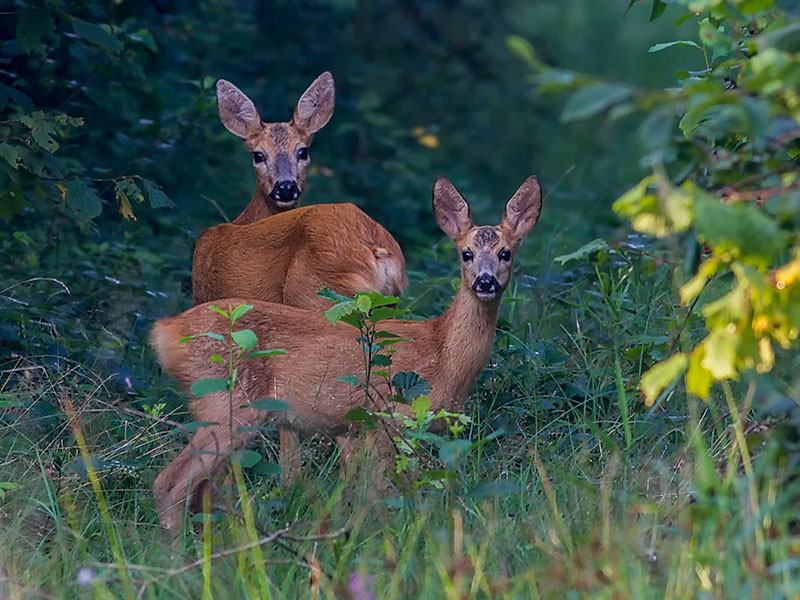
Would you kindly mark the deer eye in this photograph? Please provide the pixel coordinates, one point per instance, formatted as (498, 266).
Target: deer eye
(258, 157)
(466, 256)
(302, 154)
(505, 255)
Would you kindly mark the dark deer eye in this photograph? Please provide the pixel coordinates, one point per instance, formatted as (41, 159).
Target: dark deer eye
(466, 256)
(505, 255)
(258, 157)
(302, 154)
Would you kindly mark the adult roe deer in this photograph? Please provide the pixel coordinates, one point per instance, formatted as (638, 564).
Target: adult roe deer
(280, 150)
(449, 351)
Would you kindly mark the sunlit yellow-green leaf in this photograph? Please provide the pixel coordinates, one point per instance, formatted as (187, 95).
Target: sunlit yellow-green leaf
(661, 375)
(698, 378)
(720, 349)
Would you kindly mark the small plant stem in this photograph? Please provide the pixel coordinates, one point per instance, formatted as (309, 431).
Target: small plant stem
(748, 467)
(206, 543)
(252, 535)
(230, 373)
(623, 402)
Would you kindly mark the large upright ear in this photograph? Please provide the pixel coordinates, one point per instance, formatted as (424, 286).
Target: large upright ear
(451, 210)
(315, 107)
(522, 211)
(236, 111)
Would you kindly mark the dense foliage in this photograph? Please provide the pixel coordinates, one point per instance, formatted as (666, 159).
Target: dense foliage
(635, 433)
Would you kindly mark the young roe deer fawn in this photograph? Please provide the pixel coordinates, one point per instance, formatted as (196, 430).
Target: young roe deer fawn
(280, 150)
(291, 255)
(449, 351)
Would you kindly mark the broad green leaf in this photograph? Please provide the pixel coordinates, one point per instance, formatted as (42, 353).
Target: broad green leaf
(85, 204)
(337, 311)
(386, 312)
(350, 379)
(658, 8)
(245, 458)
(265, 469)
(245, 338)
(492, 489)
(662, 375)
(720, 353)
(660, 47)
(219, 311)
(10, 154)
(381, 360)
(156, 197)
(96, 35)
(450, 453)
(262, 353)
(43, 128)
(361, 415)
(208, 334)
(420, 407)
(329, 294)
(698, 378)
(695, 285)
(740, 229)
(583, 252)
(410, 385)
(363, 303)
(593, 99)
(268, 404)
(32, 26)
(240, 311)
(209, 386)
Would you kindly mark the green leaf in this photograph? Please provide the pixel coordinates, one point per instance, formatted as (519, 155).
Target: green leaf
(261, 353)
(351, 379)
(96, 35)
(245, 338)
(329, 294)
(660, 47)
(85, 204)
(219, 311)
(524, 50)
(410, 385)
(376, 299)
(492, 489)
(593, 99)
(245, 458)
(583, 252)
(658, 8)
(240, 311)
(361, 415)
(451, 453)
(209, 386)
(420, 407)
(335, 313)
(698, 378)
(32, 26)
(720, 353)
(156, 197)
(265, 469)
(10, 154)
(662, 375)
(208, 334)
(381, 360)
(268, 404)
(363, 303)
(386, 312)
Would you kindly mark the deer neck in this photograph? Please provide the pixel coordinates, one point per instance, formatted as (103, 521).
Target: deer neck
(259, 208)
(468, 329)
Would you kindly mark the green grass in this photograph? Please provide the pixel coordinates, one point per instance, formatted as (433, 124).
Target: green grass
(585, 492)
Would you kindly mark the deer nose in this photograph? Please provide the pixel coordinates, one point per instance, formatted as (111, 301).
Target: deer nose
(285, 191)
(486, 284)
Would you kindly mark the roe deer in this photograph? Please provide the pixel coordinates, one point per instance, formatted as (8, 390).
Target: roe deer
(280, 150)
(290, 256)
(449, 351)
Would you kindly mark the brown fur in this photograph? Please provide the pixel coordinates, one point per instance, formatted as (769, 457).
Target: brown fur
(290, 256)
(279, 142)
(449, 351)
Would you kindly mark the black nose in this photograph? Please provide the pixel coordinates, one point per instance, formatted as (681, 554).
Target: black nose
(285, 191)
(486, 284)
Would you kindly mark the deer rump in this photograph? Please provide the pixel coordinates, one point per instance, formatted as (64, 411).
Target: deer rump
(288, 257)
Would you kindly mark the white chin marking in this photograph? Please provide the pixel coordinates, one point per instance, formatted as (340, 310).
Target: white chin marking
(289, 204)
(486, 296)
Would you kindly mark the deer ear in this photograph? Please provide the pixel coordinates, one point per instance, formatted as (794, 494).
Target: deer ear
(315, 107)
(236, 111)
(451, 210)
(522, 211)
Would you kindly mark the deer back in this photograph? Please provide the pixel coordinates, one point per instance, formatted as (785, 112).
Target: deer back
(289, 257)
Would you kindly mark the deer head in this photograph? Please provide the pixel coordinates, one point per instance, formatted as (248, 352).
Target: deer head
(487, 253)
(279, 150)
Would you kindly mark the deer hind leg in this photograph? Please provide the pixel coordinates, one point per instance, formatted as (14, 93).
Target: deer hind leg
(204, 458)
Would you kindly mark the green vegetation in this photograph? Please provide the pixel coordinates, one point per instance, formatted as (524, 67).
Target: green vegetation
(635, 433)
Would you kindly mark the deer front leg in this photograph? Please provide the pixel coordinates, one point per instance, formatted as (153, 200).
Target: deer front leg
(289, 455)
